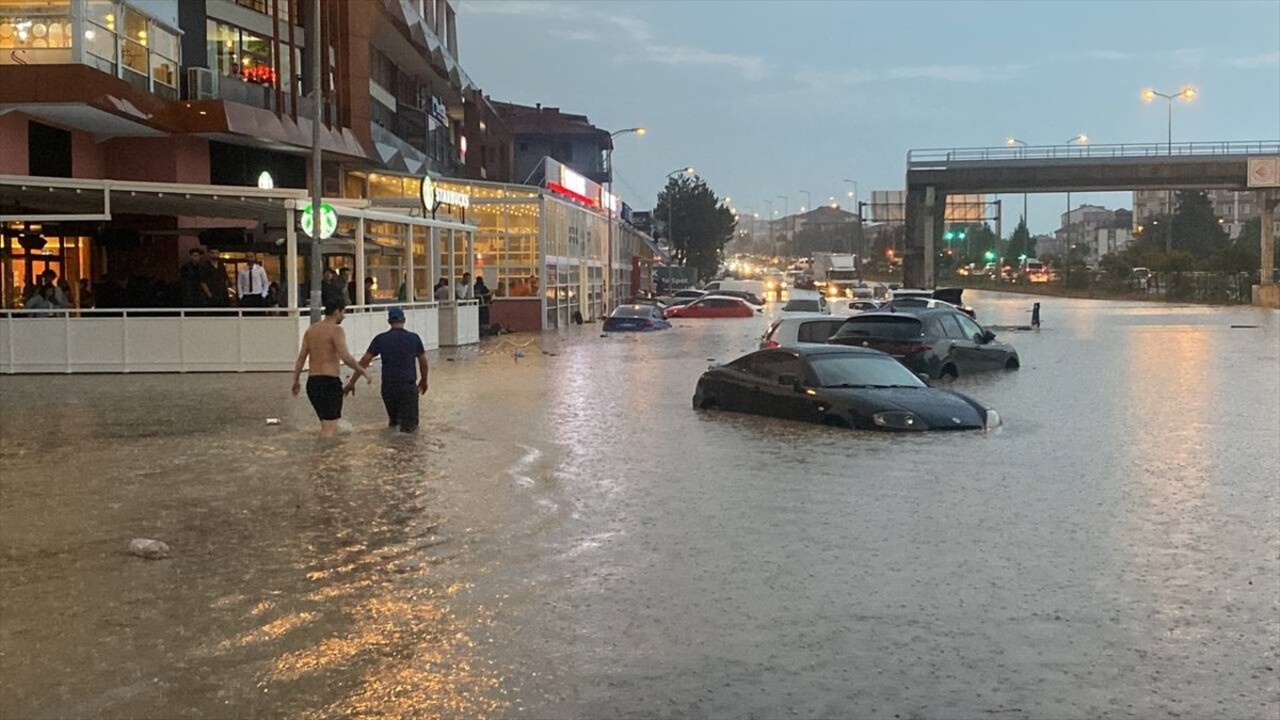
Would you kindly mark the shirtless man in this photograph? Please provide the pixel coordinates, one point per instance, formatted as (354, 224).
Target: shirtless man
(326, 345)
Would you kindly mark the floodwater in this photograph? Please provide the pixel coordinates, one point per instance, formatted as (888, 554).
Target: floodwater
(565, 537)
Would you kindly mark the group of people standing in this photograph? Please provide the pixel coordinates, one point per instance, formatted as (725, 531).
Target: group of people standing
(205, 283)
(49, 293)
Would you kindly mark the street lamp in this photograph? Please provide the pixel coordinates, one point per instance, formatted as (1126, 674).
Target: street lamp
(853, 194)
(786, 210)
(808, 200)
(686, 170)
(608, 243)
(1186, 94)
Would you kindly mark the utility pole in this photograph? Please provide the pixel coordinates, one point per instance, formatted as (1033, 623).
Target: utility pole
(317, 259)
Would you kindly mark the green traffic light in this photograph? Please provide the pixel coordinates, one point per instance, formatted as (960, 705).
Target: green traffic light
(1023, 256)
(961, 235)
(990, 255)
(948, 235)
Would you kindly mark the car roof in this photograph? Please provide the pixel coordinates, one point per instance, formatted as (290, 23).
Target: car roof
(717, 296)
(807, 316)
(814, 349)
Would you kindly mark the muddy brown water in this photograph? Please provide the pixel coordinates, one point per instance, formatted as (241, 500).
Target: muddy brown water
(565, 537)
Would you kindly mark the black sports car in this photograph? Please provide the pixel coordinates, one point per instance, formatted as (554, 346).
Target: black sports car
(939, 343)
(843, 386)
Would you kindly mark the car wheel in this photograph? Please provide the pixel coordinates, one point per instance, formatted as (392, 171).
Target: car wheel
(1012, 364)
(706, 403)
(948, 372)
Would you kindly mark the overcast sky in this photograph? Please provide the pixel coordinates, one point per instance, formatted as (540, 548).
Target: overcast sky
(771, 98)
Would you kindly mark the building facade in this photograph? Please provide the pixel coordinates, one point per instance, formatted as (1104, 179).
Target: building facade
(216, 93)
(1234, 208)
(541, 132)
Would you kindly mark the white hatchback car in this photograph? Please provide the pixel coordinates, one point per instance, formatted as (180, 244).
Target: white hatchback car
(800, 328)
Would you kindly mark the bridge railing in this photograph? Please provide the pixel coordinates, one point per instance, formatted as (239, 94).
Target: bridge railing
(931, 156)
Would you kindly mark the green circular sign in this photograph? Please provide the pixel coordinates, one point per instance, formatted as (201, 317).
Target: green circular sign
(328, 221)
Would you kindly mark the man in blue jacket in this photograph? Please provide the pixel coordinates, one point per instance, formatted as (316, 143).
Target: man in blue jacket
(400, 350)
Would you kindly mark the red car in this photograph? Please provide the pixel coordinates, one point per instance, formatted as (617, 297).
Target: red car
(712, 306)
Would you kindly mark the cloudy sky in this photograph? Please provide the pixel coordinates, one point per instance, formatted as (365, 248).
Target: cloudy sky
(771, 98)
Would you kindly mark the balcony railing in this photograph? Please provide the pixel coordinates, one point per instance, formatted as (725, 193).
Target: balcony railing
(932, 156)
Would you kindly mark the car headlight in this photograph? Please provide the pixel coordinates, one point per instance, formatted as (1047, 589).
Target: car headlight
(898, 420)
(993, 419)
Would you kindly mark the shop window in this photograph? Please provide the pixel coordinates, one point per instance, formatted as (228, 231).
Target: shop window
(48, 150)
(35, 32)
(135, 42)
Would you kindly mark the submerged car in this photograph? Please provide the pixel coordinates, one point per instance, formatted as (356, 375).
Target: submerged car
(712, 306)
(940, 298)
(806, 303)
(941, 343)
(841, 386)
(800, 328)
(636, 318)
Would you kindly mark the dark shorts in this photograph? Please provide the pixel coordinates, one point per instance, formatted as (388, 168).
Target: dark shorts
(325, 394)
(401, 401)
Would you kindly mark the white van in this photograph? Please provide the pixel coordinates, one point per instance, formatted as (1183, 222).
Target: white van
(755, 287)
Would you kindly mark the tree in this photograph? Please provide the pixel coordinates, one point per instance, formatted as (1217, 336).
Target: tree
(1194, 227)
(1020, 243)
(701, 225)
(1244, 254)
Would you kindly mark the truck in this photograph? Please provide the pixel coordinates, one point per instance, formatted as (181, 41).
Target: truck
(835, 274)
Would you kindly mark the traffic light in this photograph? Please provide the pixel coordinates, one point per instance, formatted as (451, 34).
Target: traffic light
(960, 235)
(990, 255)
(948, 236)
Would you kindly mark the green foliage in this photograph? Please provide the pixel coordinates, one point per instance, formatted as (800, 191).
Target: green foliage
(702, 225)
(1020, 243)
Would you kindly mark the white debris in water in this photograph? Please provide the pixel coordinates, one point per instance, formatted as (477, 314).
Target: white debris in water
(273, 421)
(148, 548)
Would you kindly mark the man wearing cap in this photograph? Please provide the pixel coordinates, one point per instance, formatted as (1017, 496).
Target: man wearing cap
(399, 349)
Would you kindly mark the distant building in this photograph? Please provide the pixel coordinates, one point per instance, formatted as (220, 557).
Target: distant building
(486, 146)
(1080, 228)
(1233, 207)
(569, 139)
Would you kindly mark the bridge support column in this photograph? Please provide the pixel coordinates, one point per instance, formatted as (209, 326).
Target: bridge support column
(925, 217)
(1267, 292)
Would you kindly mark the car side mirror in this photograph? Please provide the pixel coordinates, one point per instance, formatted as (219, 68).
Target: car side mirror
(988, 336)
(791, 380)
(924, 377)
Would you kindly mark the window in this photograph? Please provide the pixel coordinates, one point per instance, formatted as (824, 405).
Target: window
(969, 327)
(949, 327)
(818, 331)
(769, 366)
(35, 32)
(48, 150)
(135, 42)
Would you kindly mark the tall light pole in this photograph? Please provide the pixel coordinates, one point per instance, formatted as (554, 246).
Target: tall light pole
(1186, 94)
(808, 200)
(786, 211)
(1015, 142)
(671, 238)
(768, 224)
(608, 243)
(853, 194)
(1083, 140)
(317, 189)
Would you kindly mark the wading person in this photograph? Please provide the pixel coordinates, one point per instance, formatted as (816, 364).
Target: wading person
(401, 350)
(326, 345)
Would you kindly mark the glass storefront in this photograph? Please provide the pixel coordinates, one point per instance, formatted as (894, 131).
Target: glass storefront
(21, 265)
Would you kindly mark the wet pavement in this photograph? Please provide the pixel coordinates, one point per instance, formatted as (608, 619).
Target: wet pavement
(565, 537)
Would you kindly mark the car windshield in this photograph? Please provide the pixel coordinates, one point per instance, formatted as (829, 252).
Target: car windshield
(839, 370)
(802, 306)
(632, 311)
(882, 326)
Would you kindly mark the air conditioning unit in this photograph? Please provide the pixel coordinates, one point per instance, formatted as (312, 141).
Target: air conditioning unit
(202, 84)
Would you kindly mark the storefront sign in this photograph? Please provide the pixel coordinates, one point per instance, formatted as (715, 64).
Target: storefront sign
(434, 196)
(438, 109)
(563, 181)
(265, 181)
(328, 221)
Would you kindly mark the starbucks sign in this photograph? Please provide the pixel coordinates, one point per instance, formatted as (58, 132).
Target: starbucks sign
(433, 196)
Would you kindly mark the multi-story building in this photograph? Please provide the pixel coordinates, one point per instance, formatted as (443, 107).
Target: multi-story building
(541, 132)
(1234, 208)
(1080, 228)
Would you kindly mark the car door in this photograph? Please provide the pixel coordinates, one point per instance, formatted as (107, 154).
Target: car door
(778, 399)
(988, 356)
(964, 350)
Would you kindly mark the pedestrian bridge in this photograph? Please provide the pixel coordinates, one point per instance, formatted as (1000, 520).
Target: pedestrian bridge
(932, 174)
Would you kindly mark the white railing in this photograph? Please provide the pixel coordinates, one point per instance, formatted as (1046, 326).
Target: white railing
(1241, 148)
(185, 339)
(459, 323)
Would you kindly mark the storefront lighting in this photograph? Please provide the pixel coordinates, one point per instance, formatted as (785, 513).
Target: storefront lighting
(265, 181)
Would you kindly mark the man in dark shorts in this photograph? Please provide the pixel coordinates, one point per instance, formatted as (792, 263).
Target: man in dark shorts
(400, 350)
(326, 345)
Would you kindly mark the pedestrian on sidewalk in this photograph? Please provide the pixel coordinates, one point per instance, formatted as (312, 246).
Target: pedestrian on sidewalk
(400, 350)
(326, 346)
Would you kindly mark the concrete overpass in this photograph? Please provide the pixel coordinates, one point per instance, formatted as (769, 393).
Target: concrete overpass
(935, 173)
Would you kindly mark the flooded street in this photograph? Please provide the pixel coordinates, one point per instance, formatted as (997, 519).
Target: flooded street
(565, 537)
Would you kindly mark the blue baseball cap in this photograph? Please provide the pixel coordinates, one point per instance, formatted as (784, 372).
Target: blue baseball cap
(395, 314)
